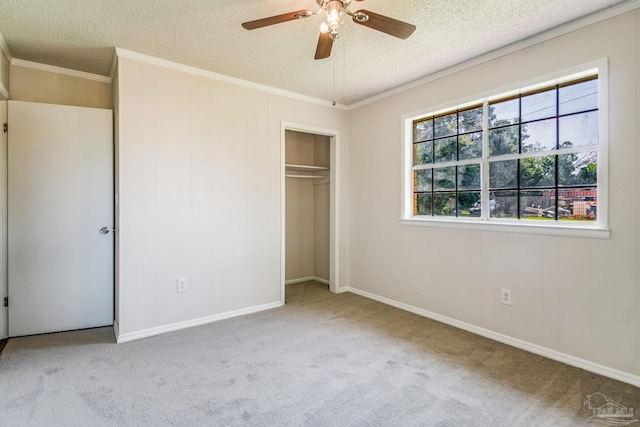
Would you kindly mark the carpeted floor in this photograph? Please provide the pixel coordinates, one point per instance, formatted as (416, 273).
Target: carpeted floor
(322, 360)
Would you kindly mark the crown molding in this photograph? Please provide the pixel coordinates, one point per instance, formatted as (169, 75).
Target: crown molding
(221, 77)
(503, 51)
(60, 70)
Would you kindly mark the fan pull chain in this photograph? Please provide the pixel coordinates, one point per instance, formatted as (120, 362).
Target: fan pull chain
(344, 71)
(334, 81)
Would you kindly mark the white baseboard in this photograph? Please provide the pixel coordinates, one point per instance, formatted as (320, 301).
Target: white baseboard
(321, 280)
(132, 336)
(505, 339)
(300, 280)
(306, 279)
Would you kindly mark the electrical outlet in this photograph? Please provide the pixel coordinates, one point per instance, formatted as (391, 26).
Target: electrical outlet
(182, 284)
(505, 296)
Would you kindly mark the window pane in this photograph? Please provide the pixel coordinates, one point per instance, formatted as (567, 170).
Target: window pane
(539, 105)
(422, 153)
(445, 150)
(446, 125)
(503, 204)
(503, 174)
(538, 136)
(469, 177)
(579, 97)
(470, 120)
(422, 180)
(504, 113)
(579, 130)
(537, 171)
(470, 146)
(444, 178)
(423, 204)
(581, 202)
(466, 201)
(423, 130)
(537, 204)
(578, 169)
(444, 204)
(503, 141)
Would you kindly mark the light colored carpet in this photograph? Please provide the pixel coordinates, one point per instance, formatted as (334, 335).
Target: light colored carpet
(322, 360)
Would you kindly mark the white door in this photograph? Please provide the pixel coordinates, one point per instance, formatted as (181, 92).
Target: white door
(60, 194)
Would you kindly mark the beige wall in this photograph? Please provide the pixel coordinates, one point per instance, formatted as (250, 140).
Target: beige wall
(307, 209)
(199, 181)
(575, 296)
(32, 85)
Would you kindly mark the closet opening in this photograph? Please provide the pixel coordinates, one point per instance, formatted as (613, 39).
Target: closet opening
(309, 207)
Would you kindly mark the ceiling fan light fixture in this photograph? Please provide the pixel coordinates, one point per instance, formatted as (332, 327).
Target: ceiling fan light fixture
(334, 10)
(324, 28)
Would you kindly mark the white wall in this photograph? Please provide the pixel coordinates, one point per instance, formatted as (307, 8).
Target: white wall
(579, 297)
(199, 182)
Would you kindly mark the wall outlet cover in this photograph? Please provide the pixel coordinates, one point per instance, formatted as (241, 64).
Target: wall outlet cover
(505, 296)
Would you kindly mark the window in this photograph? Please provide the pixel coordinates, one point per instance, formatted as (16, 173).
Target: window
(447, 151)
(525, 157)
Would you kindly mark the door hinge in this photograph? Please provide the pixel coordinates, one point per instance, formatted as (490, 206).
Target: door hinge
(6, 128)
(6, 301)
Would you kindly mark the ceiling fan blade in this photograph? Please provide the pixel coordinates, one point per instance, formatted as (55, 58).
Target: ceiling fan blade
(325, 42)
(385, 24)
(264, 22)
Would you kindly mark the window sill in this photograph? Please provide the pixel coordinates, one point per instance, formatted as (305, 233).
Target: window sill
(564, 230)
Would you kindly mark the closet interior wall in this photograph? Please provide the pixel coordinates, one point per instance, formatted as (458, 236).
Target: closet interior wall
(307, 191)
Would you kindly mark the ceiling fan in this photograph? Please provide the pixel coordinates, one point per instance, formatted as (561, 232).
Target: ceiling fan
(335, 11)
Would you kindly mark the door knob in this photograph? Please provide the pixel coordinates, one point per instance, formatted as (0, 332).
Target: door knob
(105, 230)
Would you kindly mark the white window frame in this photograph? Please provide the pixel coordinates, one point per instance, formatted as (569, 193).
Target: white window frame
(597, 229)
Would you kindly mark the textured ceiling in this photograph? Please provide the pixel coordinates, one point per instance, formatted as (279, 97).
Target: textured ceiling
(81, 35)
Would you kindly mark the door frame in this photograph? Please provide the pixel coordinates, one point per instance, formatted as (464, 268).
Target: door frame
(334, 207)
(4, 284)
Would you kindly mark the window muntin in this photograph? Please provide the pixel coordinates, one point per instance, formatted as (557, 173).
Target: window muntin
(540, 157)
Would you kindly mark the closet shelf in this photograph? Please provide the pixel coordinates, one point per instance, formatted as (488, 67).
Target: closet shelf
(305, 167)
(306, 176)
